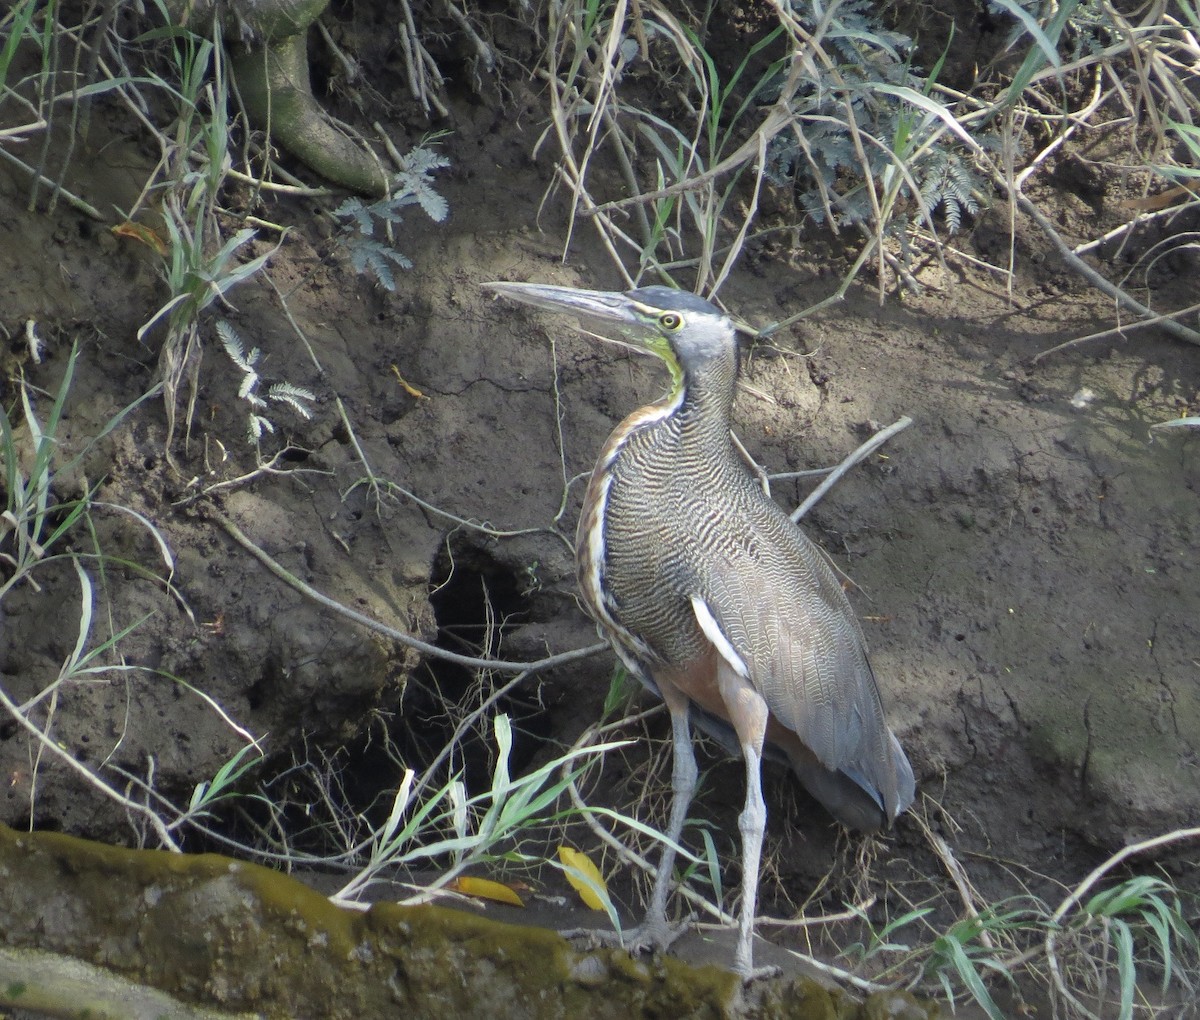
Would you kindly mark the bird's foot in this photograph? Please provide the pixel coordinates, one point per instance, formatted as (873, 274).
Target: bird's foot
(743, 961)
(752, 974)
(653, 935)
(591, 938)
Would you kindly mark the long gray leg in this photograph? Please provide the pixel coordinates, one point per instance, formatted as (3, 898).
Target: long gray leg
(753, 823)
(748, 713)
(654, 930)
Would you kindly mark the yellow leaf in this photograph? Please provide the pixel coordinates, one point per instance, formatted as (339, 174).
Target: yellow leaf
(582, 865)
(411, 390)
(140, 233)
(485, 889)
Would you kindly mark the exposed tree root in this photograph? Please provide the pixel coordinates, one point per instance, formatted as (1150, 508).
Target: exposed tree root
(277, 95)
(271, 69)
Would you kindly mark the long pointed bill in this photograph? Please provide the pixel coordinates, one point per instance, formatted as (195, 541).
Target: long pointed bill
(596, 305)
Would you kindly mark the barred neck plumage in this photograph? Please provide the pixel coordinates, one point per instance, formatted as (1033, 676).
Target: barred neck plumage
(706, 402)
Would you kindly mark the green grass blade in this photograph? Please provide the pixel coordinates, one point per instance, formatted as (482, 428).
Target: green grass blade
(22, 17)
(85, 613)
(966, 970)
(1126, 967)
(1046, 42)
(714, 863)
(1040, 38)
(14, 486)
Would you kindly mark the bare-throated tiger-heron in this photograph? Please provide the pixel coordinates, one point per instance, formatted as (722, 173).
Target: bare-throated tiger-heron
(716, 600)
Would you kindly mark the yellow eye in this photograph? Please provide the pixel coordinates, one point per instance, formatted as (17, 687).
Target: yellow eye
(670, 321)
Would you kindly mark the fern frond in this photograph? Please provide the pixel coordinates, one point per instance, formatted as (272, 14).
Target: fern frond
(354, 209)
(296, 397)
(413, 185)
(422, 161)
(234, 348)
(256, 426)
(248, 385)
(435, 207)
(372, 257)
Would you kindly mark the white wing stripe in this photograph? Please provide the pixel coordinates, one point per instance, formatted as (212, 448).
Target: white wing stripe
(712, 631)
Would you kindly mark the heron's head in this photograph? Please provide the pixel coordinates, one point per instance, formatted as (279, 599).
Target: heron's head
(682, 329)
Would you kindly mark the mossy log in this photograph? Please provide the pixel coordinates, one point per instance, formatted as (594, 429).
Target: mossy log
(228, 938)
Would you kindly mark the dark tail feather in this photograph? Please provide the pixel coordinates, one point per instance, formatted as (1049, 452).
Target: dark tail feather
(847, 795)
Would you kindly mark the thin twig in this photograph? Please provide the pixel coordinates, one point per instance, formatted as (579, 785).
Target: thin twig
(76, 201)
(294, 190)
(1121, 330)
(47, 743)
(958, 875)
(864, 451)
(1139, 220)
(1176, 329)
(24, 129)
(483, 527)
(839, 974)
(853, 914)
(483, 51)
(1081, 890)
(838, 295)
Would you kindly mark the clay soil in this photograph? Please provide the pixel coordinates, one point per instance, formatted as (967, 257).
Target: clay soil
(1022, 557)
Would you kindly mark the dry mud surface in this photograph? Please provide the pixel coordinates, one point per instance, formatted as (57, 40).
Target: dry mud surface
(1022, 556)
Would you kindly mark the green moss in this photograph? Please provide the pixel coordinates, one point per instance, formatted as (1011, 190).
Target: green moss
(240, 937)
